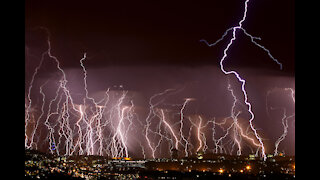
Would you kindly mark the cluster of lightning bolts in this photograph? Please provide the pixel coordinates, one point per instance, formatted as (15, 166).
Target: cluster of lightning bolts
(285, 116)
(194, 133)
(237, 75)
(88, 128)
(103, 127)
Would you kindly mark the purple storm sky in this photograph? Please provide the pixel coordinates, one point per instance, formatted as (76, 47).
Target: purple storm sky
(147, 47)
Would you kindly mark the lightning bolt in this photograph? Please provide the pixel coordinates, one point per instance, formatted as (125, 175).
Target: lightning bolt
(163, 119)
(181, 126)
(285, 132)
(150, 116)
(39, 118)
(29, 101)
(241, 80)
(237, 128)
(198, 134)
(285, 117)
(202, 141)
(235, 120)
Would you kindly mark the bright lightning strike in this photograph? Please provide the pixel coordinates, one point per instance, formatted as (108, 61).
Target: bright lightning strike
(237, 75)
(285, 117)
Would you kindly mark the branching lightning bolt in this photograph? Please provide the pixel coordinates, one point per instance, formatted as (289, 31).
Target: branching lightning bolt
(239, 26)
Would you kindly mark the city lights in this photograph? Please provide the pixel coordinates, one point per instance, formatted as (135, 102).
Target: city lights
(40, 164)
(220, 170)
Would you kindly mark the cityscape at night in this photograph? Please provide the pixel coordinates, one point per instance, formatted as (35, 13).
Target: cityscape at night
(202, 166)
(159, 90)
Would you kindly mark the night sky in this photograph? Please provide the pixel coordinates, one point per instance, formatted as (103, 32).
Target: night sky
(149, 46)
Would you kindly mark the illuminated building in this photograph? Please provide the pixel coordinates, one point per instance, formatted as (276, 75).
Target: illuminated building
(127, 164)
(200, 155)
(252, 157)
